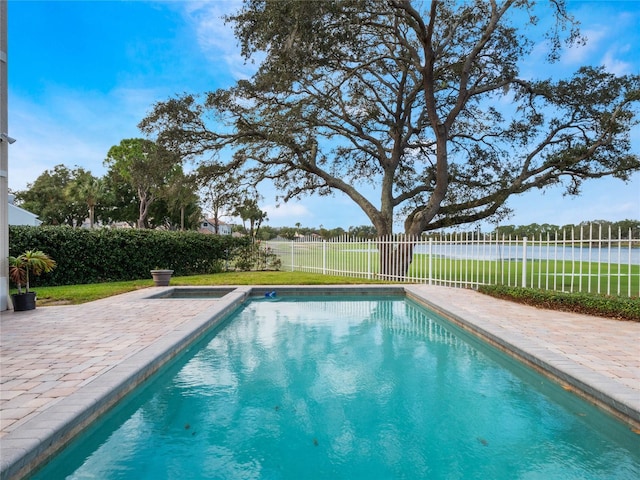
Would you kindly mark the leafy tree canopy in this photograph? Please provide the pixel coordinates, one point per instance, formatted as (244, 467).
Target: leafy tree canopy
(57, 196)
(147, 167)
(402, 98)
(249, 211)
(88, 190)
(178, 207)
(121, 199)
(595, 228)
(221, 193)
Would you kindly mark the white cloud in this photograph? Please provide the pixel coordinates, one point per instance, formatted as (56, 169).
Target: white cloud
(615, 66)
(290, 212)
(580, 53)
(596, 202)
(216, 38)
(72, 128)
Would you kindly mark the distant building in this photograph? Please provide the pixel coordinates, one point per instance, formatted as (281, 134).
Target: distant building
(208, 226)
(20, 216)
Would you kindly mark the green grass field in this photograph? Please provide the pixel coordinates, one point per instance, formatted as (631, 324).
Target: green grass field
(76, 294)
(567, 276)
(615, 307)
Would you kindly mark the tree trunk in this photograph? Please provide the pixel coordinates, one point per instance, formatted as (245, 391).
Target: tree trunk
(396, 255)
(143, 210)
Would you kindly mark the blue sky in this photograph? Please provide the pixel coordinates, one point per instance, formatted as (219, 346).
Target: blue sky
(82, 74)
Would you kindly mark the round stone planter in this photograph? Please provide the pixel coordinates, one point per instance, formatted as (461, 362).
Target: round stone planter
(161, 278)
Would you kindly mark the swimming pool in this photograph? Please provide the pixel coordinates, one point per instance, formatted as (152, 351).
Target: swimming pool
(193, 293)
(348, 388)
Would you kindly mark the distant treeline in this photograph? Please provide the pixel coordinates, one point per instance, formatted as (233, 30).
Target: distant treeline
(599, 228)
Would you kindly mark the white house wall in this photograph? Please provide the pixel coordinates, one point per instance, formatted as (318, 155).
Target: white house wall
(19, 216)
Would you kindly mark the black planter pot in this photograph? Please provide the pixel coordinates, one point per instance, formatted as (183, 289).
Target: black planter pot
(24, 301)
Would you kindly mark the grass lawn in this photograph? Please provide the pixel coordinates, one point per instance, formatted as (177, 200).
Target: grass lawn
(592, 304)
(76, 294)
(569, 276)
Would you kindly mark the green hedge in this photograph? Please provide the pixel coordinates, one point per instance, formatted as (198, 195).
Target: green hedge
(624, 308)
(105, 255)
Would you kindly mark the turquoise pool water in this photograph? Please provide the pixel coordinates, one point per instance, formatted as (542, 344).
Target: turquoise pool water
(308, 388)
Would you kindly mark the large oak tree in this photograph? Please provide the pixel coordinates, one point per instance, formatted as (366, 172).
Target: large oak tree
(422, 103)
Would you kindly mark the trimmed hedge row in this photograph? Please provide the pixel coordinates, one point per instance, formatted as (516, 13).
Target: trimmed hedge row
(107, 255)
(623, 308)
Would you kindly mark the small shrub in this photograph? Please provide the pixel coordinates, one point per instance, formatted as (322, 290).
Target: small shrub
(267, 259)
(623, 308)
(256, 257)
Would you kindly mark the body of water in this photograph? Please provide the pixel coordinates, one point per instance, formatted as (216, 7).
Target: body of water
(486, 251)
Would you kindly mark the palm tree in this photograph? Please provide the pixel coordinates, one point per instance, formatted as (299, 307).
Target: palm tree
(90, 190)
(35, 261)
(17, 272)
(181, 193)
(249, 210)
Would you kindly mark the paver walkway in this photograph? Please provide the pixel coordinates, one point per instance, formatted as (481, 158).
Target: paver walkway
(51, 353)
(48, 353)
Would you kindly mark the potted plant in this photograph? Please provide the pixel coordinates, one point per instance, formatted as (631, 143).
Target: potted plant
(161, 277)
(35, 262)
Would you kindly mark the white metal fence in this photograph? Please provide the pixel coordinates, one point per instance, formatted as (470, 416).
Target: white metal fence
(591, 260)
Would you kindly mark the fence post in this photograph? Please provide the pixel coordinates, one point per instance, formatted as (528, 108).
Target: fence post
(292, 256)
(369, 273)
(524, 262)
(430, 273)
(324, 257)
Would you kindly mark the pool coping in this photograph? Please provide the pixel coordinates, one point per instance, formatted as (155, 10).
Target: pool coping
(41, 437)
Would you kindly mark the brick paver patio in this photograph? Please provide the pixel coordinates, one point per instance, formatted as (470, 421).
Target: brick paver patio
(55, 360)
